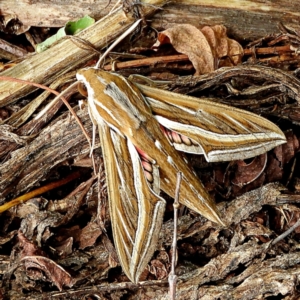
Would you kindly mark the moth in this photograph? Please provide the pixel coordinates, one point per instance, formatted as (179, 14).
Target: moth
(141, 130)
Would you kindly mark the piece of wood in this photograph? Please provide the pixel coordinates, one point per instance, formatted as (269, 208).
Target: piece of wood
(58, 142)
(45, 67)
(246, 19)
(54, 13)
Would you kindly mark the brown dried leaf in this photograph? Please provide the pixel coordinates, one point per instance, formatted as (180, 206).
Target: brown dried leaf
(65, 247)
(240, 177)
(235, 52)
(35, 263)
(160, 266)
(89, 235)
(64, 233)
(216, 37)
(56, 274)
(283, 155)
(158, 269)
(28, 248)
(189, 40)
(246, 173)
(222, 46)
(207, 49)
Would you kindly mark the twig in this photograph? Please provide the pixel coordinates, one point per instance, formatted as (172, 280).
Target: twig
(286, 233)
(81, 293)
(41, 86)
(172, 276)
(269, 50)
(38, 191)
(117, 41)
(149, 61)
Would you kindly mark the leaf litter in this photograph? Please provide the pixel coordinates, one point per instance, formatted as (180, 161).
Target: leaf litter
(66, 244)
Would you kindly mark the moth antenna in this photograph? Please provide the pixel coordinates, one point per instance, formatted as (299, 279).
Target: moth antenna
(59, 96)
(114, 8)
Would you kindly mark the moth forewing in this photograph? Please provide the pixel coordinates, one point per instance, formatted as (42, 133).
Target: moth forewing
(136, 210)
(126, 124)
(220, 132)
(141, 128)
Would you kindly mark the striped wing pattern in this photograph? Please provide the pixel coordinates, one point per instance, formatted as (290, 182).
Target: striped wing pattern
(125, 119)
(135, 209)
(221, 133)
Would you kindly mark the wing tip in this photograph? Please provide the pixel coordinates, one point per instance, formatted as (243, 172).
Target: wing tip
(215, 217)
(244, 152)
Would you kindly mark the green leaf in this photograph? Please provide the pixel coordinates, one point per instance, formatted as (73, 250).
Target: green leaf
(71, 28)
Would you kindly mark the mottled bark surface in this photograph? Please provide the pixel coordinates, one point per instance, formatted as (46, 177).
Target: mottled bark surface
(59, 245)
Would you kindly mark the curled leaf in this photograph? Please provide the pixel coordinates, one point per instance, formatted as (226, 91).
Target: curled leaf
(54, 272)
(34, 259)
(207, 49)
(248, 172)
(89, 235)
(230, 51)
(189, 40)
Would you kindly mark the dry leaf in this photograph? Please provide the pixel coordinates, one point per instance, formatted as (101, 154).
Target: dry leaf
(189, 40)
(37, 264)
(283, 154)
(28, 248)
(89, 235)
(158, 269)
(55, 273)
(204, 48)
(246, 173)
(65, 247)
(230, 51)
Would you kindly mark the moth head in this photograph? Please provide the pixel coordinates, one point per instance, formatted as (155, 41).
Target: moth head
(114, 99)
(82, 89)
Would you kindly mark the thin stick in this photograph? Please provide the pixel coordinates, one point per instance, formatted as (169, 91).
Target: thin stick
(38, 191)
(117, 41)
(172, 276)
(286, 233)
(59, 95)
